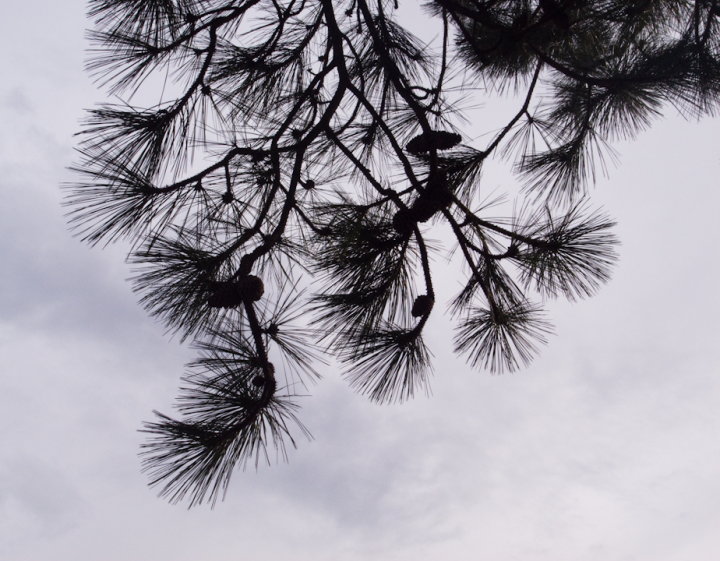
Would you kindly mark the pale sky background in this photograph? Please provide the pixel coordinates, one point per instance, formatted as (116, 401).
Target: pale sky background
(606, 448)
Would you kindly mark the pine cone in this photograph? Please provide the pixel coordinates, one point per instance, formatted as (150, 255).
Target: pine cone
(438, 182)
(224, 295)
(436, 197)
(422, 306)
(251, 288)
(404, 222)
(440, 140)
(424, 208)
(228, 294)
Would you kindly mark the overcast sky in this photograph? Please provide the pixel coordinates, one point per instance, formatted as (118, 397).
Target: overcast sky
(606, 448)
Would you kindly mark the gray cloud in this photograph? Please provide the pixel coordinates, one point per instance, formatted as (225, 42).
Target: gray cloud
(605, 448)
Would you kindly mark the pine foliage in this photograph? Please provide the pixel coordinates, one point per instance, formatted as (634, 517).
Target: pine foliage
(316, 143)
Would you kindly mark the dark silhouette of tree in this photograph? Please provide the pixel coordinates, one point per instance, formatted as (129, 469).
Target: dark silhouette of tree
(315, 143)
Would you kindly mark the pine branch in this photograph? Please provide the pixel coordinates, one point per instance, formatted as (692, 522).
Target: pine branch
(319, 144)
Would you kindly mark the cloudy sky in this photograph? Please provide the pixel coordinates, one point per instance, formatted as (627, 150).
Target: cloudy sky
(606, 448)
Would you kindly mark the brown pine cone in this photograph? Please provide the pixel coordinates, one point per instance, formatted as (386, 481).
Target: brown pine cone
(404, 222)
(440, 140)
(422, 306)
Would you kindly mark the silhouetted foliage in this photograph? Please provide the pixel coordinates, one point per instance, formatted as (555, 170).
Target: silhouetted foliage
(314, 144)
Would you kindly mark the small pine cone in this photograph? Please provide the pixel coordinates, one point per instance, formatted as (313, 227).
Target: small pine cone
(308, 185)
(251, 288)
(404, 222)
(442, 199)
(436, 197)
(440, 140)
(424, 208)
(437, 182)
(422, 306)
(224, 295)
(227, 197)
(439, 190)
